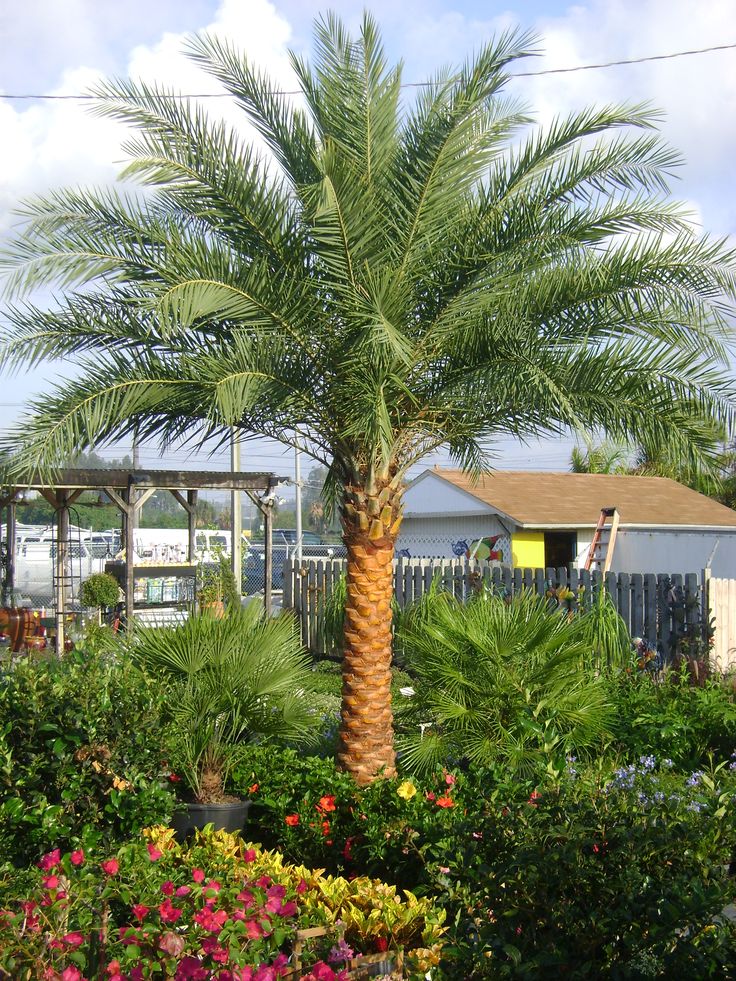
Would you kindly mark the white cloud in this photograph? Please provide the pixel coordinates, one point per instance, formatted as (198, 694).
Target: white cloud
(52, 144)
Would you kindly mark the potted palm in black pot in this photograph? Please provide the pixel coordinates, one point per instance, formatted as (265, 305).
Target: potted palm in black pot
(229, 682)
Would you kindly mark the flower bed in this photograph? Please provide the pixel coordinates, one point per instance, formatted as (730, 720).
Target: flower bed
(219, 908)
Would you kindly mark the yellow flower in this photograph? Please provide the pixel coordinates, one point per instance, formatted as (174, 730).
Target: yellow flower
(406, 790)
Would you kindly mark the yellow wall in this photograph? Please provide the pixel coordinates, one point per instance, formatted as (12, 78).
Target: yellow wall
(527, 549)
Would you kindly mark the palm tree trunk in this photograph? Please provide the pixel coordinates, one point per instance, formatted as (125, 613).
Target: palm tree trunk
(370, 523)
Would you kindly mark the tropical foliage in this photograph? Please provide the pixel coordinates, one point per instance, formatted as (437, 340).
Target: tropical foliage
(500, 681)
(397, 271)
(228, 680)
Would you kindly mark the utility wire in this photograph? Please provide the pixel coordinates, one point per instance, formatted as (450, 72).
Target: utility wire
(405, 85)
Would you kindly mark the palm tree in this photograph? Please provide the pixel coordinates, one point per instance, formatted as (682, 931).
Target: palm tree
(386, 272)
(605, 457)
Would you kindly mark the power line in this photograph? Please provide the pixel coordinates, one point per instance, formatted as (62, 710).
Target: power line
(405, 85)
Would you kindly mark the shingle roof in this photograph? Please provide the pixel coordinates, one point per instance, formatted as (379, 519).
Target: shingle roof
(535, 499)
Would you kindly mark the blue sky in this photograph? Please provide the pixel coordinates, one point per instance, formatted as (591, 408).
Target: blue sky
(47, 46)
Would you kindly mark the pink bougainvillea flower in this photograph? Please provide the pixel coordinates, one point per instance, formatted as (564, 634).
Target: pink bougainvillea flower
(140, 912)
(50, 860)
(77, 857)
(264, 881)
(183, 891)
(113, 967)
(110, 866)
(450, 779)
(445, 801)
(288, 908)
(292, 820)
(326, 803)
(191, 969)
(51, 882)
(167, 888)
(250, 855)
(172, 943)
(71, 973)
(74, 939)
(168, 912)
(153, 853)
(253, 930)
(444, 869)
(302, 887)
(210, 919)
(198, 875)
(245, 896)
(56, 944)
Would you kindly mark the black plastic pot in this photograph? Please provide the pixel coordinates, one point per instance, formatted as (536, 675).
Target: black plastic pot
(225, 817)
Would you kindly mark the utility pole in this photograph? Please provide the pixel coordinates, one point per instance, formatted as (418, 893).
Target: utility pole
(298, 486)
(236, 513)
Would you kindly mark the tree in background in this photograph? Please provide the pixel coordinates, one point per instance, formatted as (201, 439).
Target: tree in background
(402, 271)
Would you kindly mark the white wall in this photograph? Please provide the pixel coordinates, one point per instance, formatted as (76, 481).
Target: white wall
(674, 551)
(432, 495)
(434, 537)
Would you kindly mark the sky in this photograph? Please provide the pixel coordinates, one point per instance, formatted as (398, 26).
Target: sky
(62, 48)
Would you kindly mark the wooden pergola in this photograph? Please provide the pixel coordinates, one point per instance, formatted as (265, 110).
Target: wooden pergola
(128, 490)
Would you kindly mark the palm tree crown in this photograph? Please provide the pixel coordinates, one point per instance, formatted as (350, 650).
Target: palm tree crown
(381, 277)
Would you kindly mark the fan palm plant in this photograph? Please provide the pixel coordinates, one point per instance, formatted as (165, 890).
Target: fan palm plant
(228, 680)
(499, 681)
(387, 272)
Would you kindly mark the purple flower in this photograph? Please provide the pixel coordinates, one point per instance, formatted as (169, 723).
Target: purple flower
(341, 952)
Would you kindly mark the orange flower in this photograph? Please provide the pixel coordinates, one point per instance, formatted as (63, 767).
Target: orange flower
(253, 789)
(326, 803)
(445, 801)
(292, 820)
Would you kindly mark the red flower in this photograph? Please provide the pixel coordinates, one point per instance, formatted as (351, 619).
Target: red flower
(450, 780)
(167, 888)
(113, 967)
(183, 890)
(249, 855)
(110, 866)
(326, 803)
(381, 944)
(71, 973)
(73, 940)
(153, 853)
(50, 860)
(51, 882)
(445, 801)
(429, 795)
(325, 828)
(347, 852)
(533, 798)
(198, 875)
(77, 857)
(168, 912)
(140, 912)
(302, 887)
(173, 778)
(292, 820)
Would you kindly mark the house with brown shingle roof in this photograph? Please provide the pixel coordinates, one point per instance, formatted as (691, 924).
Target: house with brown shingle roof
(547, 520)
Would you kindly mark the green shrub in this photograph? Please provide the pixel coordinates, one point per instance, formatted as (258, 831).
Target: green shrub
(226, 681)
(101, 590)
(498, 681)
(683, 721)
(80, 755)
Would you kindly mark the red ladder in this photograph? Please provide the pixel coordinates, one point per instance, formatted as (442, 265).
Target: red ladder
(601, 548)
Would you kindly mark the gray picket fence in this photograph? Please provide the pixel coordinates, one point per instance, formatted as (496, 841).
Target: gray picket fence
(662, 609)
